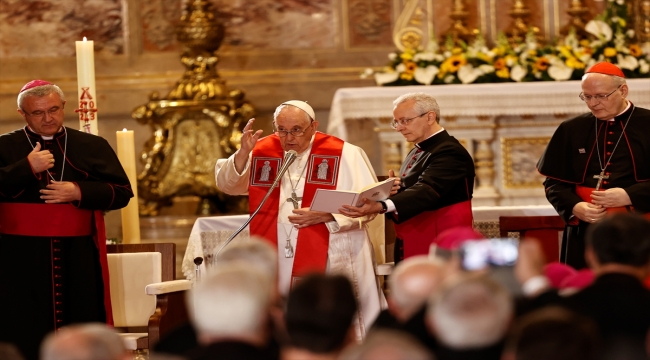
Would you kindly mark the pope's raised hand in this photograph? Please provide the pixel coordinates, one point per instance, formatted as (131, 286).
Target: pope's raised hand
(249, 137)
(40, 160)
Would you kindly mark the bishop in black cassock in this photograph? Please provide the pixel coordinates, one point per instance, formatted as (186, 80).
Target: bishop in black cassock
(599, 162)
(54, 184)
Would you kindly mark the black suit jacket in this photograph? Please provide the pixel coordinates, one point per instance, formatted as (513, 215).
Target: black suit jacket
(442, 174)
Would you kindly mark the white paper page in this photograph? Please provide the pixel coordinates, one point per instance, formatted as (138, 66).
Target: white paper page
(331, 200)
(379, 192)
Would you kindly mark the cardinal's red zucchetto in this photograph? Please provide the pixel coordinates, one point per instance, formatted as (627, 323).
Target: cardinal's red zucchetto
(606, 68)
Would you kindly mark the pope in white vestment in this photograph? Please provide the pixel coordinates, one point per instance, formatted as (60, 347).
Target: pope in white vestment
(349, 250)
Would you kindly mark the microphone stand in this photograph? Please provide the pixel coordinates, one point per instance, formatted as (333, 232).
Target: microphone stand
(289, 158)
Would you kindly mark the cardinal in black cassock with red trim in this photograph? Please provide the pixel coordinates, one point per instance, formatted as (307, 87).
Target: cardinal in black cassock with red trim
(55, 183)
(599, 162)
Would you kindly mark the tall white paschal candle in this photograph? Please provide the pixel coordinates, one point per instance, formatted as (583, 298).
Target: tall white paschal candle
(87, 107)
(130, 215)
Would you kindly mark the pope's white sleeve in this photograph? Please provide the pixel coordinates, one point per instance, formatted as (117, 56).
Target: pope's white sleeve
(228, 179)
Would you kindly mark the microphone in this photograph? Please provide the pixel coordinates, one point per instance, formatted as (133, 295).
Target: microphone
(198, 261)
(289, 158)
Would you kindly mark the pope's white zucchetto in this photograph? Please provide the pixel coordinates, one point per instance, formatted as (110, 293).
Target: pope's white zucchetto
(302, 106)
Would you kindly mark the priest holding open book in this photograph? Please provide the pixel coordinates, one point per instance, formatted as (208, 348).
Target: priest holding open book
(437, 178)
(307, 240)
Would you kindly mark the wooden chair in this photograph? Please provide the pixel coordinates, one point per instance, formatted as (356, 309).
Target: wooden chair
(147, 301)
(547, 229)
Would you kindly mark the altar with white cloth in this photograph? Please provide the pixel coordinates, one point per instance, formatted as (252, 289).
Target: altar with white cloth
(209, 233)
(505, 127)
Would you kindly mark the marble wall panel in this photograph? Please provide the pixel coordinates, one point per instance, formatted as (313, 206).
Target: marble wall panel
(258, 25)
(368, 23)
(159, 18)
(48, 28)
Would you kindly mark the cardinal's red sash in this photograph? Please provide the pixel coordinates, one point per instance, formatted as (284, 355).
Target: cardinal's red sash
(59, 220)
(419, 232)
(585, 195)
(322, 173)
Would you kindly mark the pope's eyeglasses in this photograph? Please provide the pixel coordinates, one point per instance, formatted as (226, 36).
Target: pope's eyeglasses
(599, 98)
(294, 132)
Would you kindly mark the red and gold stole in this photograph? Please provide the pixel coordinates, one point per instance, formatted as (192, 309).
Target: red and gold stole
(313, 241)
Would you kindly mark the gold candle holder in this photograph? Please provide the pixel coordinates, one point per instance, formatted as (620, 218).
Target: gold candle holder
(577, 10)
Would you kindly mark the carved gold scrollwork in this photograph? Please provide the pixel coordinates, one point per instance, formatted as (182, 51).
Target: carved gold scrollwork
(195, 124)
(411, 26)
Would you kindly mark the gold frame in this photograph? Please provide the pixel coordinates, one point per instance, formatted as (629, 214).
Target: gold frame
(506, 164)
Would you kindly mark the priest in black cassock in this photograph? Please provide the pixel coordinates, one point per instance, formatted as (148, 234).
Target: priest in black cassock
(436, 180)
(54, 184)
(598, 162)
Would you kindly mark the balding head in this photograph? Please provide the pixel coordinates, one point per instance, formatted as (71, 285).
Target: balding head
(473, 312)
(84, 342)
(411, 284)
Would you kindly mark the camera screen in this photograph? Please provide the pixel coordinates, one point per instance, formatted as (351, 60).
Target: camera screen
(479, 254)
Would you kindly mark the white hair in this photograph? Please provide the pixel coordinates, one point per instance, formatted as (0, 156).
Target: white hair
(423, 103)
(39, 91)
(412, 282)
(92, 341)
(474, 312)
(255, 252)
(232, 301)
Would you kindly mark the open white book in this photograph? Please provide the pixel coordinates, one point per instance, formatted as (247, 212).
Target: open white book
(332, 200)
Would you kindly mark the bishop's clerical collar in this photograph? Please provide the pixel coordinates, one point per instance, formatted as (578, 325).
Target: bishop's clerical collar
(432, 135)
(35, 134)
(627, 108)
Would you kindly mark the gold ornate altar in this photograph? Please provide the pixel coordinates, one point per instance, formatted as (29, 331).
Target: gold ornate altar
(195, 124)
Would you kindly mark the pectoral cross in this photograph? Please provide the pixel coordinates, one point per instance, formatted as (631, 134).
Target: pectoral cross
(294, 199)
(600, 178)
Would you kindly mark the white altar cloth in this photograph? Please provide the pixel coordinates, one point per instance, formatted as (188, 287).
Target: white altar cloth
(502, 99)
(209, 233)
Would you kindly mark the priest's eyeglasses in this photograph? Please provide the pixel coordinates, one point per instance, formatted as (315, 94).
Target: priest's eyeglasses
(599, 98)
(405, 122)
(41, 114)
(294, 132)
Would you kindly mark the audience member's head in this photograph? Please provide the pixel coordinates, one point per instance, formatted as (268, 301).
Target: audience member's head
(255, 252)
(411, 284)
(451, 239)
(320, 312)
(620, 239)
(474, 312)
(232, 303)
(84, 342)
(553, 333)
(388, 344)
